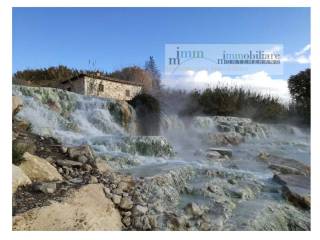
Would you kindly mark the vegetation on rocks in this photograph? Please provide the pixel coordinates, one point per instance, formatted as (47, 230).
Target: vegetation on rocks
(299, 87)
(17, 153)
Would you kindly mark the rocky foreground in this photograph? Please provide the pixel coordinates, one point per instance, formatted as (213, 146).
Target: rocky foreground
(62, 187)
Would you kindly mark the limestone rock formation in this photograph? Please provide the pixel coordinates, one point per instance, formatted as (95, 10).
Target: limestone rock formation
(19, 178)
(39, 169)
(17, 103)
(296, 188)
(285, 165)
(86, 209)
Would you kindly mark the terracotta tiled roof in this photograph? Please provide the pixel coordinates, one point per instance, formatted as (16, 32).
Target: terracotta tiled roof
(106, 78)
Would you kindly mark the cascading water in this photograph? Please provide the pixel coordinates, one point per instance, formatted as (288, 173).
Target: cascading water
(177, 156)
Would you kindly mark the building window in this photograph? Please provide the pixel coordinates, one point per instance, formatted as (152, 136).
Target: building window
(69, 89)
(128, 93)
(101, 87)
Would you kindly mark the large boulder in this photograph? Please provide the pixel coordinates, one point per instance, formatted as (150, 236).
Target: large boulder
(296, 188)
(19, 178)
(86, 209)
(39, 169)
(285, 165)
(17, 103)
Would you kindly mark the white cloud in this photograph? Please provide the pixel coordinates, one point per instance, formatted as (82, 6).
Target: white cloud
(260, 82)
(303, 50)
(301, 57)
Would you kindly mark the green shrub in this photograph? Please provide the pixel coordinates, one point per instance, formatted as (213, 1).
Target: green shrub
(17, 153)
(236, 101)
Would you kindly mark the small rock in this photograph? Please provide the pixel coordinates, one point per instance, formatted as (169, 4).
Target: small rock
(82, 159)
(179, 222)
(71, 170)
(138, 200)
(126, 203)
(188, 189)
(64, 149)
(85, 150)
(263, 156)
(93, 180)
(126, 221)
(153, 221)
(45, 187)
(107, 192)
(117, 191)
(50, 160)
(213, 188)
(232, 181)
(66, 171)
(204, 226)
(222, 151)
(193, 209)
(102, 166)
(68, 163)
(139, 210)
(116, 199)
(214, 155)
(123, 186)
(126, 213)
(76, 180)
(236, 192)
(158, 208)
(142, 223)
(73, 174)
(86, 167)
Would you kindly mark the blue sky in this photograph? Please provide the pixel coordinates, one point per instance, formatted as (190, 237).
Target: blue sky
(119, 37)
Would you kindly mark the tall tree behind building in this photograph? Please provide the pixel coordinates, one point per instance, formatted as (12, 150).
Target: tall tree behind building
(153, 70)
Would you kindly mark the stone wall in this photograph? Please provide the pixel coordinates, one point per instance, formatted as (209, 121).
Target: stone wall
(110, 89)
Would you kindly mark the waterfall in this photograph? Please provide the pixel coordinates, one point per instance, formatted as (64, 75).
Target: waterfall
(108, 125)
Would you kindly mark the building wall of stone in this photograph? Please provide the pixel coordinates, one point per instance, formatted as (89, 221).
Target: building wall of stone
(76, 86)
(116, 90)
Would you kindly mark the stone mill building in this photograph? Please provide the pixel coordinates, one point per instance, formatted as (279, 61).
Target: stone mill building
(101, 86)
